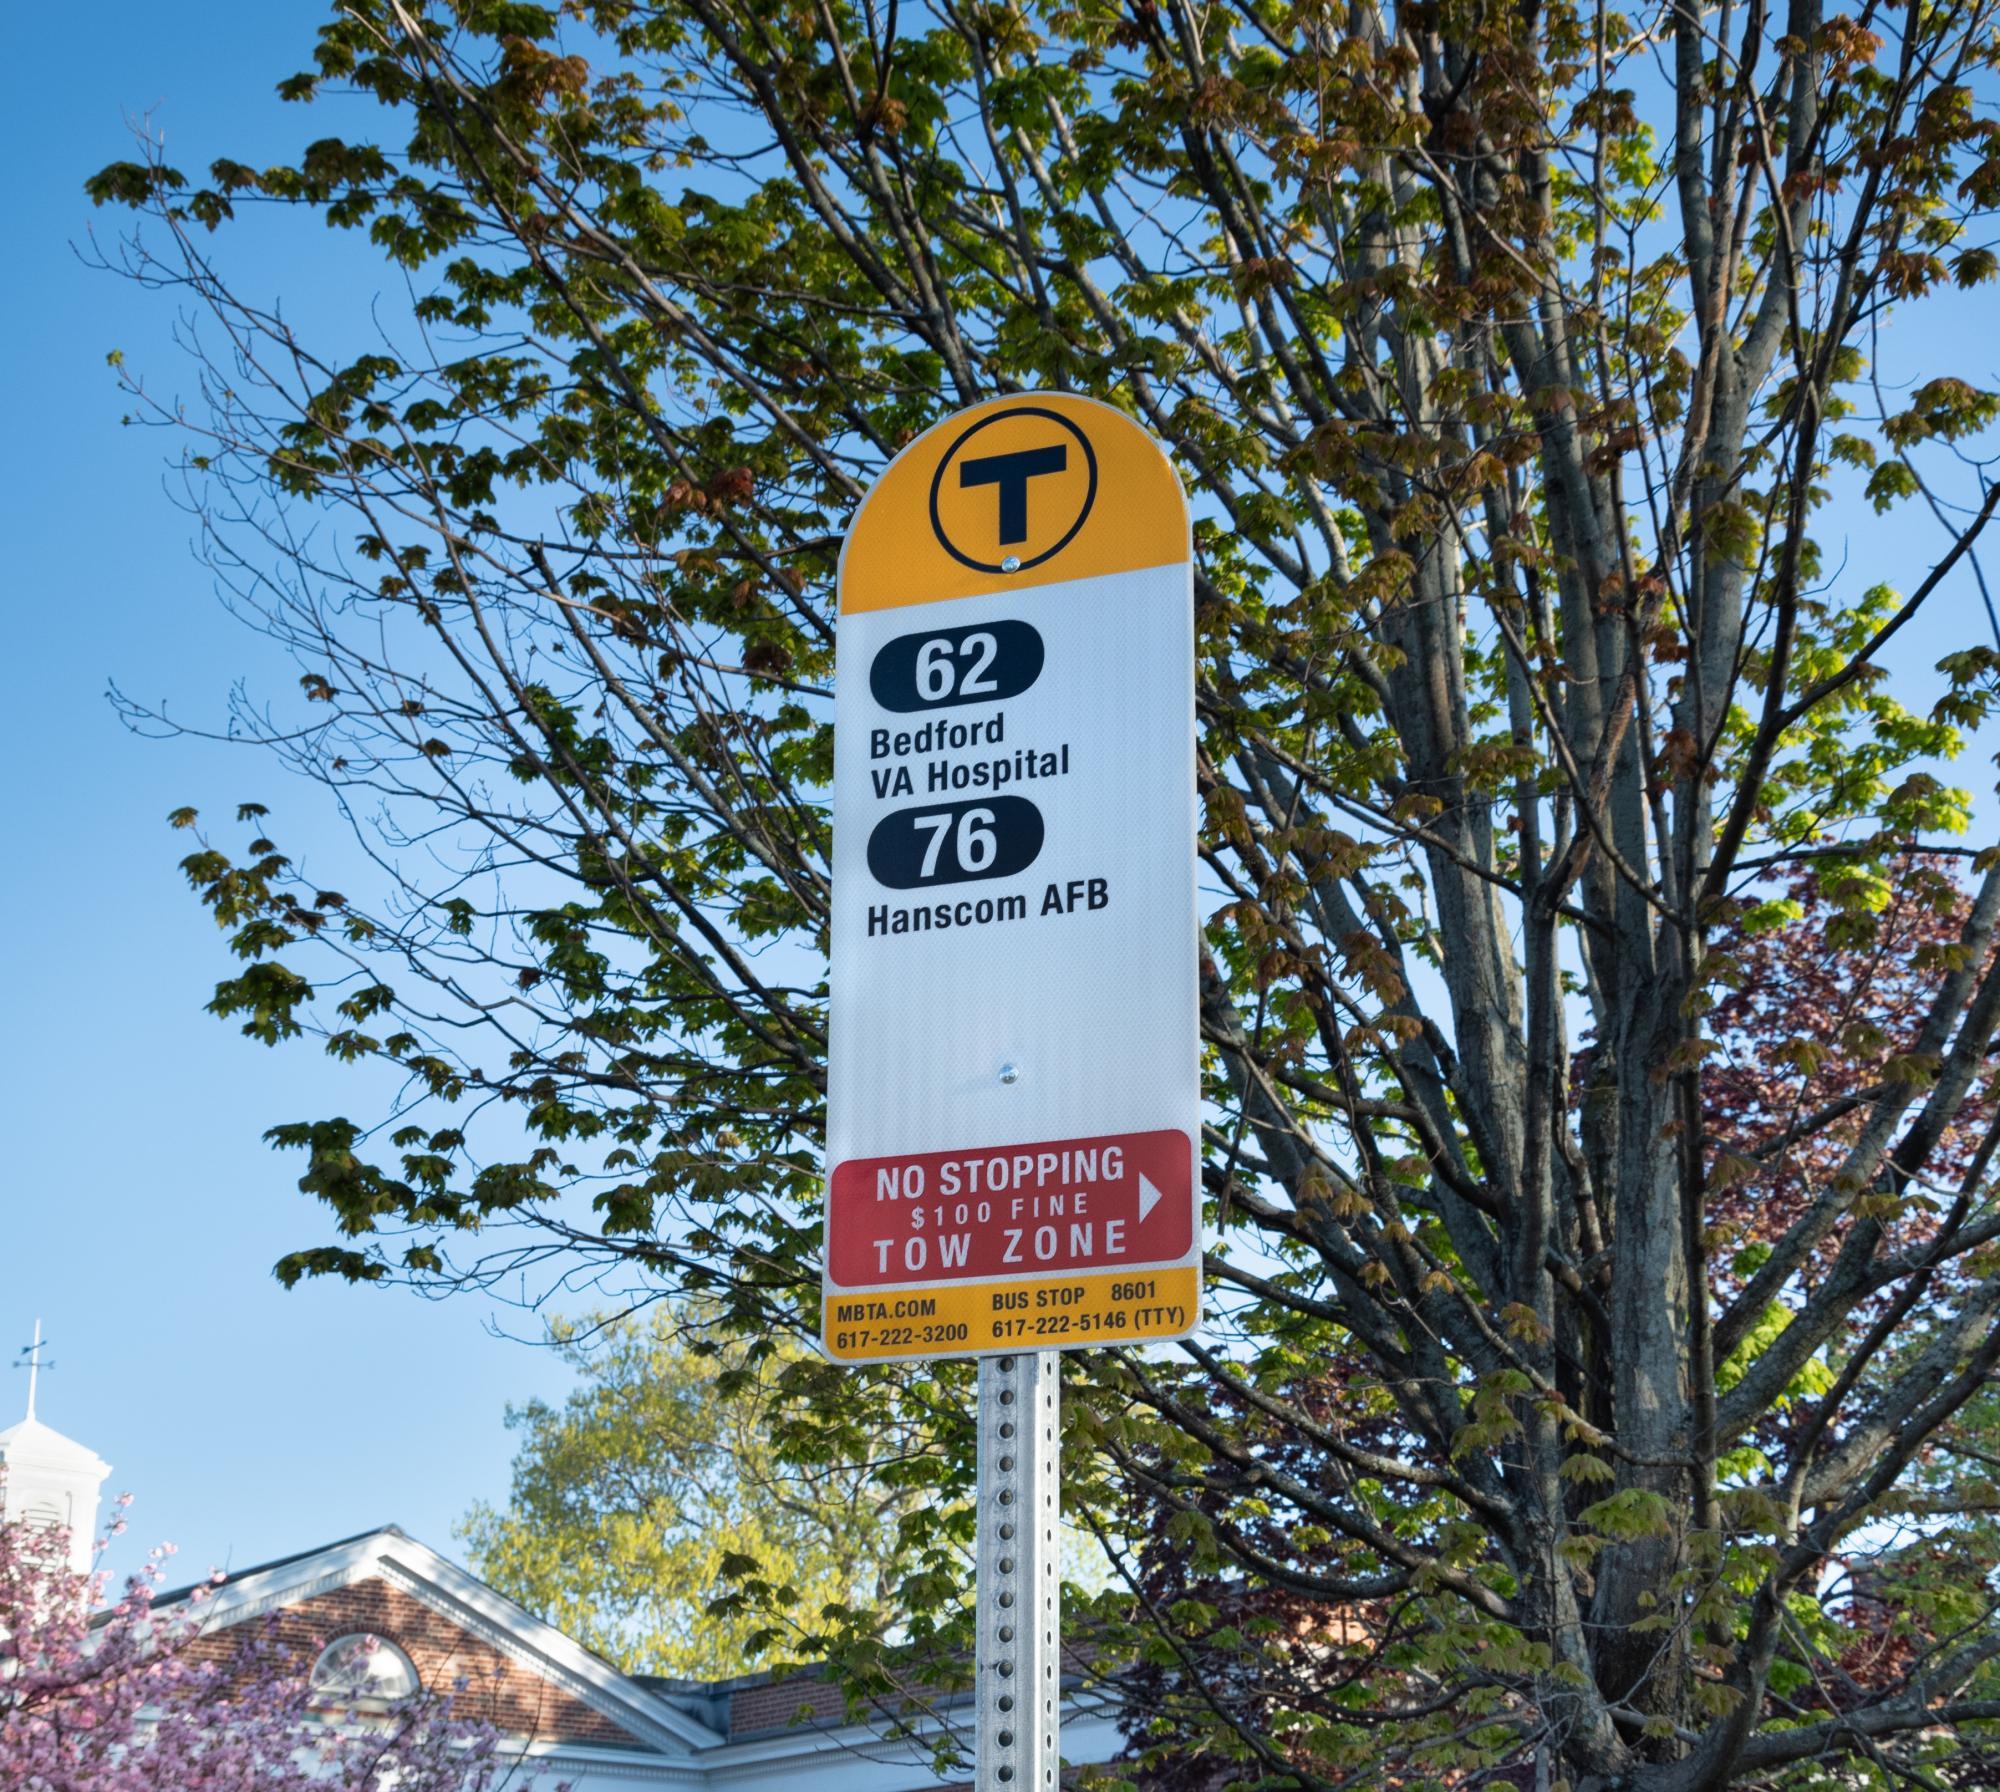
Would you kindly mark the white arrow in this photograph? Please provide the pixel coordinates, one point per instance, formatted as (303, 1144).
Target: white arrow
(1149, 1197)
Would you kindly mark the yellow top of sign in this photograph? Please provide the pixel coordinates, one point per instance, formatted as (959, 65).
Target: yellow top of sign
(1018, 491)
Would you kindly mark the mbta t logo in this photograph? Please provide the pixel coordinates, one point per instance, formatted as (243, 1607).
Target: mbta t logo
(1011, 491)
(1011, 473)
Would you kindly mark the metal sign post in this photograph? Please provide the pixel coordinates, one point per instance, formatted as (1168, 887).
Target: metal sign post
(1019, 1665)
(1013, 1088)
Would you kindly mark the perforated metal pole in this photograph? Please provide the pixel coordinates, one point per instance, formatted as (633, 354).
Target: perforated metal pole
(1019, 1669)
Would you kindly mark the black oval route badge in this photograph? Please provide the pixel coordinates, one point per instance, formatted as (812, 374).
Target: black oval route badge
(953, 843)
(977, 664)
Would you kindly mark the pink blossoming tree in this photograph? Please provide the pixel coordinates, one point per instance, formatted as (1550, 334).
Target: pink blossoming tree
(97, 1696)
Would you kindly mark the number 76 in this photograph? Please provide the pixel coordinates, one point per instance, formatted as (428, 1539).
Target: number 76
(976, 844)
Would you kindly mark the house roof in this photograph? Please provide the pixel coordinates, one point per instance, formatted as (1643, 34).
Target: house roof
(742, 1734)
(175, 1595)
(392, 1554)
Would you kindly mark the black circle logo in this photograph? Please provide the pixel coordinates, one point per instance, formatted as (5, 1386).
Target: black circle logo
(1013, 489)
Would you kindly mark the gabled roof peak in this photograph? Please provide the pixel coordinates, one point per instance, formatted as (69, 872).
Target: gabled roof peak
(467, 1601)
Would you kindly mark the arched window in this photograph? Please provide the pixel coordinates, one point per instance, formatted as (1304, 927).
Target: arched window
(358, 1669)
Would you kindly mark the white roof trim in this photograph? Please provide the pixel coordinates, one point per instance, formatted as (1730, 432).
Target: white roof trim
(1090, 1735)
(474, 1606)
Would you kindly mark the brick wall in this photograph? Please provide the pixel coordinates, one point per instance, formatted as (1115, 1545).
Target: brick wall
(778, 1704)
(499, 1690)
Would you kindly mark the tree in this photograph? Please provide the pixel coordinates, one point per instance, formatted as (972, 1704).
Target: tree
(1827, 986)
(659, 1517)
(1512, 358)
(126, 1698)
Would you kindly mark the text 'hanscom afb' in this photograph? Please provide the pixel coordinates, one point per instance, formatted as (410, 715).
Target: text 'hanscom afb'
(1013, 1101)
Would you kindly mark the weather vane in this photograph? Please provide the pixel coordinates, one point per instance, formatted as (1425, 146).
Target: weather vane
(31, 1360)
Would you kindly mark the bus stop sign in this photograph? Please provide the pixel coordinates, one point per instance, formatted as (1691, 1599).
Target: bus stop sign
(1013, 1102)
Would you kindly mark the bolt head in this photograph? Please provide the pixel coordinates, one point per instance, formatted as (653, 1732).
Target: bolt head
(1010, 1073)
(1011, 564)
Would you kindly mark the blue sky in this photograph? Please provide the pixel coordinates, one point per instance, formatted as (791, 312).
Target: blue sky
(139, 1211)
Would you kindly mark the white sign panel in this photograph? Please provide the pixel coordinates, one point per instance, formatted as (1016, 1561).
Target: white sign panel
(1013, 1106)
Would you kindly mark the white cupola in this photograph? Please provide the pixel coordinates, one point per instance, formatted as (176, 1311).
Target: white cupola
(51, 1479)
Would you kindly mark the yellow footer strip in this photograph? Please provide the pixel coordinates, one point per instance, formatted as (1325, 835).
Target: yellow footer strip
(1055, 1313)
